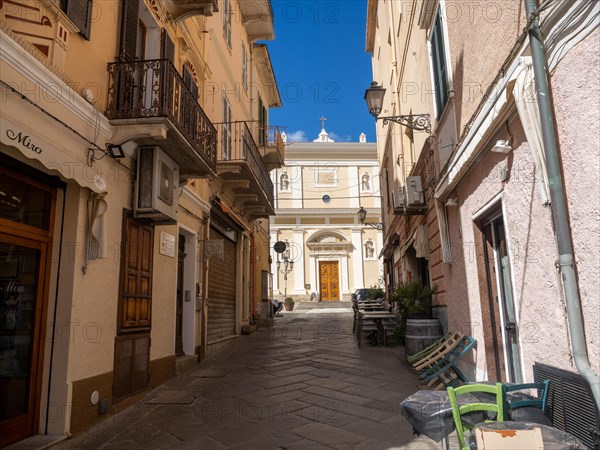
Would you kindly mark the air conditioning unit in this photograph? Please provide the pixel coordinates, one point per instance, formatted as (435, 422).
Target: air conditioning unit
(399, 200)
(415, 197)
(156, 185)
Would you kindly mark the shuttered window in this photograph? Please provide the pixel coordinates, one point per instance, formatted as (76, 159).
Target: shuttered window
(244, 67)
(226, 131)
(80, 13)
(262, 123)
(227, 21)
(439, 65)
(130, 18)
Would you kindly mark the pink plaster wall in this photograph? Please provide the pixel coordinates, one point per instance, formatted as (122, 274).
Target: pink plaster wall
(536, 282)
(576, 95)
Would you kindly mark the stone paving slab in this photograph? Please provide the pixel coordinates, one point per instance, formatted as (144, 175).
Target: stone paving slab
(303, 384)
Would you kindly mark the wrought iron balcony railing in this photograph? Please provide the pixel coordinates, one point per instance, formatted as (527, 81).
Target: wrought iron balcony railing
(237, 144)
(154, 88)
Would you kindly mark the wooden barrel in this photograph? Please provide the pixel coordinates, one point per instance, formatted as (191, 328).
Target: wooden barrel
(420, 334)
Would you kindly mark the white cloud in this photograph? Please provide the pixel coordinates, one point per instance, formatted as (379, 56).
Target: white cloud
(297, 136)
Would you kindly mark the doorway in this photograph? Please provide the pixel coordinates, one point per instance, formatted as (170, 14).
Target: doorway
(180, 294)
(26, 220)
(329, 280)
(502, 339)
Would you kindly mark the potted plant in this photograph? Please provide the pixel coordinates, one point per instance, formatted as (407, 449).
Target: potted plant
(414, 299)
(416, 327)
(289, 303)
(375, 293)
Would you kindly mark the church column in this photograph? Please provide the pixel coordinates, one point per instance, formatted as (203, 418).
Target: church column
(357, 258)
(274, 254)
(298, 253)
(344, 275)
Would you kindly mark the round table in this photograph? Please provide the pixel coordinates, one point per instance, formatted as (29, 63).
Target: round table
(554, 439)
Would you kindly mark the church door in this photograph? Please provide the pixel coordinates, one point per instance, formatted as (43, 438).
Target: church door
(330, 282)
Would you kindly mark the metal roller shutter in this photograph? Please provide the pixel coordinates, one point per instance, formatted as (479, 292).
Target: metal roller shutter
(221, 291)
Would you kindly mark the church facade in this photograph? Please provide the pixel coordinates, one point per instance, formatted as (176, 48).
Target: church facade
(318, 194)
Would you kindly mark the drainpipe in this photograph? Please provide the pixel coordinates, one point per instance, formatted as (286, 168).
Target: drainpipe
(560, 218)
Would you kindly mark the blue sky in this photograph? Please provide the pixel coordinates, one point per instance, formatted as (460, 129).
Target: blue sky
(322, 68)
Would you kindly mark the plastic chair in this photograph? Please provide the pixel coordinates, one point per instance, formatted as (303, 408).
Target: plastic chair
(459, 410)
(540, 402)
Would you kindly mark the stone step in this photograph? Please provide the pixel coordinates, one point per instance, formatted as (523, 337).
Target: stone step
(185, 363)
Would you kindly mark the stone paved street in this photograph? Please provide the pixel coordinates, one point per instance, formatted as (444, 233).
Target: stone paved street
(303, 384)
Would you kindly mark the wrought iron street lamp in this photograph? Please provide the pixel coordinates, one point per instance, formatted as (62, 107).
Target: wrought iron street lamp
(374, 97)
(288, 266)
(362, 216)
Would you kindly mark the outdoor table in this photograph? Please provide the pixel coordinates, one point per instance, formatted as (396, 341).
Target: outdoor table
(430, 413)
(553, 438)
(377, 317)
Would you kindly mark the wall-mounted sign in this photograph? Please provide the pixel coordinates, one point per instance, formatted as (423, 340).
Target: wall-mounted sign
(167, 244)
(24, 140)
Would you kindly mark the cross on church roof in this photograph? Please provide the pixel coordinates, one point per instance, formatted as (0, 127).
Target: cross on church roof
(322, 119)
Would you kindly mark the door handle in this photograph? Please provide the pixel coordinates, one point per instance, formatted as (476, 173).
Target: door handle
(511, 327)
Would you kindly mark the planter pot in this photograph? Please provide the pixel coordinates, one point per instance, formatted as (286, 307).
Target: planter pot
(420, 334)
(289, 306)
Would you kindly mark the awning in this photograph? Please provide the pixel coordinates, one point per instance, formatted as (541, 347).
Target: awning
(33, 146)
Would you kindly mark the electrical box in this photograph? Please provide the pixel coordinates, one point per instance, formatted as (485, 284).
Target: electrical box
(156, 186)
(415, 197)
(399, 200)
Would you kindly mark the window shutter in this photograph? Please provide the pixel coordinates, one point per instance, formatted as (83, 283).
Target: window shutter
(80, 12)
(167, 50)
(130, 16)
(439, 65)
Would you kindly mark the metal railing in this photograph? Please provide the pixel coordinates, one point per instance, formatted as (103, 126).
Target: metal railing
(236, 143)
(154, 88)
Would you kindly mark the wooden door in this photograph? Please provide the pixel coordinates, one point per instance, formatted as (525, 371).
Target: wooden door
(136, 276)
(27, 223)
(329, 280)
(132, 345)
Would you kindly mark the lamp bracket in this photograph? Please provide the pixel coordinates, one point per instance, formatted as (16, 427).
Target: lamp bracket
(416, 122)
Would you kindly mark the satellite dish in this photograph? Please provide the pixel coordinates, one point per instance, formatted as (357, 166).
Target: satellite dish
(279, 246)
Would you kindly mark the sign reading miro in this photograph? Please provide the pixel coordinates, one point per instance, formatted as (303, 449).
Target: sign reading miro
(24, 140)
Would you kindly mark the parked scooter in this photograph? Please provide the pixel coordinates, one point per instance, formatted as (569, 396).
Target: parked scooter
(276, 306)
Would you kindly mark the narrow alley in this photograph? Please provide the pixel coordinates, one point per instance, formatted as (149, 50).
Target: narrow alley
(303, 384)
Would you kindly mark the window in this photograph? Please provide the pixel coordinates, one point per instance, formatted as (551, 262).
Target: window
(262, 123)
(439, 66)
(244, 67)
(227, 21)
(325, 177)
(80, 12)
(226, 131)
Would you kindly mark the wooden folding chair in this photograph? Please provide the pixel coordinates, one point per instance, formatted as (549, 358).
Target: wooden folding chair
(437, 355)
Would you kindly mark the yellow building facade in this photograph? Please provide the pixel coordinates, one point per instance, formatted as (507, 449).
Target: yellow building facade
(319, 192)
(134, 168)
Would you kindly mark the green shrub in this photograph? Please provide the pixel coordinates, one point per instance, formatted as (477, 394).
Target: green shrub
(289, 301)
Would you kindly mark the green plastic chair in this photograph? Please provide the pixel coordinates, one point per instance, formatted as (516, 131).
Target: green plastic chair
(460, 410)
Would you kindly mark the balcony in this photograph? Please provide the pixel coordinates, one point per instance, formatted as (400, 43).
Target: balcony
(243, 172)
(183, 9)
(257, 17)
(149, 102)
(272, 147)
